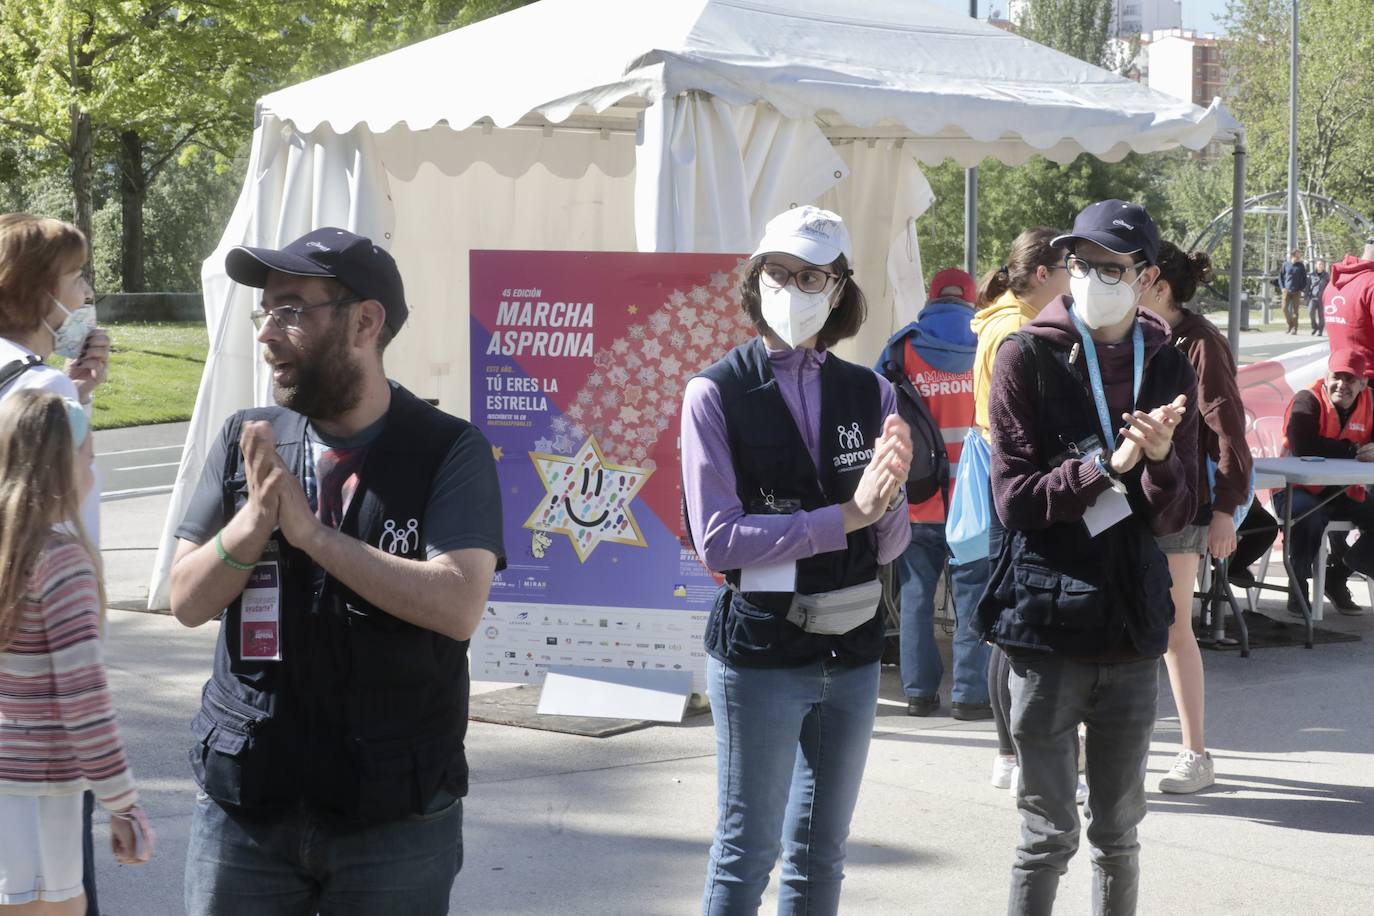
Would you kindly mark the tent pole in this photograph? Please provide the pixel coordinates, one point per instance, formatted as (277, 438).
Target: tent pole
(971, 198)
(1238, 318)
(971, 221)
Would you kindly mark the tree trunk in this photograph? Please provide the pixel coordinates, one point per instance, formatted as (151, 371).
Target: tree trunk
(133, 191)
(81, 156)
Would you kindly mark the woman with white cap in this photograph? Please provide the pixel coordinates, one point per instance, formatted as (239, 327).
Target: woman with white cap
(794, 463)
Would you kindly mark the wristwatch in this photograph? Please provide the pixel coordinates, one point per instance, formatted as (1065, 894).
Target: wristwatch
(897, 499)
(1117, 484)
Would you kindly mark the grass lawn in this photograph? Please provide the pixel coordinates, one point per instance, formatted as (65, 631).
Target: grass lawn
(154, 373)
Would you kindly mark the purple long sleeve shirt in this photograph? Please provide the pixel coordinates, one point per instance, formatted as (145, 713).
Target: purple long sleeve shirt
(727, 537)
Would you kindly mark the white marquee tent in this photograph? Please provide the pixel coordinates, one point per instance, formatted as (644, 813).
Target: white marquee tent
(652, 125)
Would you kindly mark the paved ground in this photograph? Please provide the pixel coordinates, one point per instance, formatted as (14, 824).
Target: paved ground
(557, 823)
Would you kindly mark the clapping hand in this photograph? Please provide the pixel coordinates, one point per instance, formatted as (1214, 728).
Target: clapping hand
(883, 477)
(1148, 435)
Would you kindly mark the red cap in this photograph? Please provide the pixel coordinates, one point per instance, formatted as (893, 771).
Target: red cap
(952, 276)
(1352, 361)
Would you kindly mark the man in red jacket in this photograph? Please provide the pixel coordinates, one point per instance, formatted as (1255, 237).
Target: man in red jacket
(1348, 303)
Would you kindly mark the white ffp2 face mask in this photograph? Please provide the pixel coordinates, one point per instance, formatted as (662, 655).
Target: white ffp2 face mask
(1099, 304)
(793, 315)
(69, 338)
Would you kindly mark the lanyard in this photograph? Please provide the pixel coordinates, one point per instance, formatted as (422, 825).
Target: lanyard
(1104, 415)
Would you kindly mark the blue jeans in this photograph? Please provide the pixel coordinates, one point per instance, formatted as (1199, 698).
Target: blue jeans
(303, 862)
(1050, 695)
(791, 745)
(921, 566)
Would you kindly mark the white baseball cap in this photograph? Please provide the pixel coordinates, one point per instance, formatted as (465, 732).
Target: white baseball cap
(810, 233)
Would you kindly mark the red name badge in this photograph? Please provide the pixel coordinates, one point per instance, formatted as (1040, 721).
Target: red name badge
(260, 614)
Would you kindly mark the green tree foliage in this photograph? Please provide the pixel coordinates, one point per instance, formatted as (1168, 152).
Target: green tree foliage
(1079, 28)
(1335, 94)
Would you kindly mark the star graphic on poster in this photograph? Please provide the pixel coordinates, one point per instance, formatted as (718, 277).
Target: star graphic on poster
(594, 380)
(677, 340)
(720, 279)
(543, 445)
(632, 361)
(618, 377)
(659, 322)
(686, 316)
(576, 411)
(560, 424)
(496, 452)
(621, 347)
(603, 359)
(632, 309)
(629, 414)
(633, 393)
(635, 332)
(652, 349)
(562, 444)
(647, 377)
(610, 398)
(699, 295)
(676, 297)
(652, 395)
(587, 499)
(671, 366)
(701, 336)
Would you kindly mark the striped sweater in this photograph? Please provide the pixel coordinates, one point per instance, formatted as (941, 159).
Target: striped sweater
(58, 733)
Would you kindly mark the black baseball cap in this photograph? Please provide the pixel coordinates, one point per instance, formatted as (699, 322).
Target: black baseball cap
(351, 259)
(1118, 226)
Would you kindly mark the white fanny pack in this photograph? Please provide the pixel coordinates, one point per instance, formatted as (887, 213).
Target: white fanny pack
(837, 612)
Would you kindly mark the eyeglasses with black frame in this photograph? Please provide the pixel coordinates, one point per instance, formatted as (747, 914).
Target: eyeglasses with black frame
(807, 279)
(1110, 274)
(287, 317)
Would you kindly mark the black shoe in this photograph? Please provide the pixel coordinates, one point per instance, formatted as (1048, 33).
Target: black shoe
(922, 706)
(971, 712)
(1338, 593)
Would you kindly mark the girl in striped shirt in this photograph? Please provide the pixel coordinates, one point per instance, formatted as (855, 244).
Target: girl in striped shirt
(58, 734)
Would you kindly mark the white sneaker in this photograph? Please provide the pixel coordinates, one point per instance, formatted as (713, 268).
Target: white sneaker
(1191, 772)
(1014, 784)
(1081, 795)
(1003, 769)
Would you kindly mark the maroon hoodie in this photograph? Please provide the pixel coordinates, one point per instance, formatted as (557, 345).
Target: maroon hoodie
(1028, 498)
(1349, 306)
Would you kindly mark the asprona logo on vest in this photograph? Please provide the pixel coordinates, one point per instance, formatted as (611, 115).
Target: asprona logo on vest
(934, 383)
(852, 451)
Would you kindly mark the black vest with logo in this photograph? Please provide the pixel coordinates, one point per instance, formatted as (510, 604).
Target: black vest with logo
(365, 714)
(772, 463)
(1057, 589)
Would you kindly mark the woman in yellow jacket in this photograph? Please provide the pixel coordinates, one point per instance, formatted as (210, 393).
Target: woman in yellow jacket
(1008, 297)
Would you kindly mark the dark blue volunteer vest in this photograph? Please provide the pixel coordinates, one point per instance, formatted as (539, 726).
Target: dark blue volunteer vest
(1056, 589)
(365, 715)
(770, 458)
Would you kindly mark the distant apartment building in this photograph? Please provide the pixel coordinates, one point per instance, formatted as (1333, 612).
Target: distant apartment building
(1181, 63)
(1129, 17)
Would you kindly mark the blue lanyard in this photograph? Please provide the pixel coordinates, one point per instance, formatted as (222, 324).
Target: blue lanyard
(1104, 414)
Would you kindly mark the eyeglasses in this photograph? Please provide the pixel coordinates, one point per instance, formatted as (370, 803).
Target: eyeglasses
(1109, 274)
(808, 279)
(287, 317)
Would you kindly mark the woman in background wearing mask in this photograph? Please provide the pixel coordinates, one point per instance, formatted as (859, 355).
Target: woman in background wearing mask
(793, 467)
(1008, 297)
(44, 309)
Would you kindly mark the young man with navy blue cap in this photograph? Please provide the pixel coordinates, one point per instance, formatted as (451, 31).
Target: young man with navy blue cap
(347, 539)
(1094, 455)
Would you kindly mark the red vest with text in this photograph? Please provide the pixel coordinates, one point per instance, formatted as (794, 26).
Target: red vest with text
(1357, 429)
(949, 397)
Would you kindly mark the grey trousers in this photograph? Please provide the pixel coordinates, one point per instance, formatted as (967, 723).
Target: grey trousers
(1050, 696)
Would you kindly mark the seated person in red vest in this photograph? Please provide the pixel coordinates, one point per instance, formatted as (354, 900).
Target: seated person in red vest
(1332, 419)
(938, 359)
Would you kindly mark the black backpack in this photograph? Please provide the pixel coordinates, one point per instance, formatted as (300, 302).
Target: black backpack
(929, 472)
(15, 369)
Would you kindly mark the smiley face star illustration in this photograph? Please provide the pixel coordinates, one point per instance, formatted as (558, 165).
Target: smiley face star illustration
(587, 498)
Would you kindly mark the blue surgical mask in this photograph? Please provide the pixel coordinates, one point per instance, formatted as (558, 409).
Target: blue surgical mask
(70, 337)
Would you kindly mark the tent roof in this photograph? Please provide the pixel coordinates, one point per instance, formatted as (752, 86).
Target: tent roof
(883, 68)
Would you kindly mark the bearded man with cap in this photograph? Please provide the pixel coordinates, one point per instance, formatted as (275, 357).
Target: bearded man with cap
(1094, 455)
(347, 540)
(1334, 418)
(793, 468)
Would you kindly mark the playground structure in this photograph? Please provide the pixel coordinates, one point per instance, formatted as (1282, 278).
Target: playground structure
(1329, 230)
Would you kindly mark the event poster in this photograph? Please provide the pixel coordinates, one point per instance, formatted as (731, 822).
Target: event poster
(579, 360)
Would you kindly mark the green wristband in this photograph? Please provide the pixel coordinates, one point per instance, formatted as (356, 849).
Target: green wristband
(228, 560)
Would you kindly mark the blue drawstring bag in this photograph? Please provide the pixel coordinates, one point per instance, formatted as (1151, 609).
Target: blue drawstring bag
(970, 509)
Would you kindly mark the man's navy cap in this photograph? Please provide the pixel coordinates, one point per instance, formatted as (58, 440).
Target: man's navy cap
(353, 260)
(1118, 226)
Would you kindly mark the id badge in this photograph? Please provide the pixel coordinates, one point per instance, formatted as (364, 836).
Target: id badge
(260, 611)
